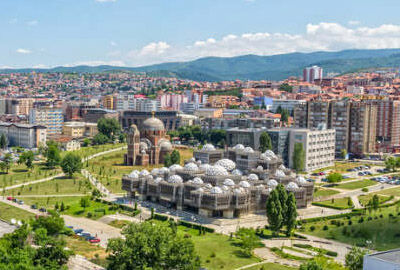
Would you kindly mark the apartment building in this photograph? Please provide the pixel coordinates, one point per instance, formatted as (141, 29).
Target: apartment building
(109, 102)
(80, 129)
(24, 135)
(318, 145)
(172, 101)
(50, 117)
(209, 113)
(287, 104)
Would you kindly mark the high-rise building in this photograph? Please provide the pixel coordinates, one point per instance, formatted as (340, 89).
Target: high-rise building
(172, 101)
(310, 74)
(24, 135)
(50, 117)
(109, 102)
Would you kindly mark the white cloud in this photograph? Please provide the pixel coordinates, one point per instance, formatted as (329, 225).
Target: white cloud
(97, 63)
(354, 22)
(32, 23)
(324, 36)
(23, 51)
(113, 43)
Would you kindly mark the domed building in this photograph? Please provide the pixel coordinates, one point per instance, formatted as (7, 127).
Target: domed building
(149, 145)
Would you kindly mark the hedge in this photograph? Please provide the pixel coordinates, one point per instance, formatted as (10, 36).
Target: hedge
(160, 217)
(195, 226)
(332, 206)
(354, 212)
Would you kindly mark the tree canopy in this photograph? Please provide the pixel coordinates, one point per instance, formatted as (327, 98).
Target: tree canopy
(298, 157)
(110, 127)
(151, 246)
(265, 142)
(71, 164)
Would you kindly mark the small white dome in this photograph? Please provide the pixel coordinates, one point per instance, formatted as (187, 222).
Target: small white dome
(280, 173)
(192, 159)
(248, 149)
(208, 147)
(143, 152)
(216, 190)
(208, 185)
(225, 188)
(229, 182)
(301, 180)
(133, 174)
(252, 177)
(175, 167)
(192, 167)
(292, 186)
(165, 145)
(204, 166)
(265, 157)
(158, 180)
(282, 167)
(238, 190)
(260, 168)
(272, 183)
(216, 170)
(237, 172)
(239, 147)
(143, 146)
(144, 172)
(201, 190)
(244, 184)
(228, 164)
(163, 170)
(270, 154)
(197, 181)
(175, 179)
(155, 171)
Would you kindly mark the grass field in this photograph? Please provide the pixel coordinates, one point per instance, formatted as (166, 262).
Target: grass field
(94, 149)
(20, 174)
(357, 184)
(322, 192)
(119, 223)
(340, 203)
(57, 186)
(389, 192)
(270, 266)
(380, 228)
(364, 199)
(341, 166)
(92, 252)
(8, 212)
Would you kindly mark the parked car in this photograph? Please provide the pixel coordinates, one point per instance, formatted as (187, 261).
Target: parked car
(78, 231)
(33, 206)
(321, 173)
(42, 210)
(346, 177)
(9, 198)
(20, 202)
(95, 240)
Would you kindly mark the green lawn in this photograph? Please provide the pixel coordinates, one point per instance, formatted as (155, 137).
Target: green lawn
(357, 184)
(270, 266)
(20, 174)
(62, 185)
(340, 203)
(324, 192)
(92, 252)
(119, 223)
(364, 199)
(389, 192)
(94, 149)
(384, 232)
(8, 212)
(341, 166)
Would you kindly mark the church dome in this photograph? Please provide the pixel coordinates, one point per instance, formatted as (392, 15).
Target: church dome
(165, 146)
(153, 124)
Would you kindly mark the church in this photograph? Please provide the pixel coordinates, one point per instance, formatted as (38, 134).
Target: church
(149, 145)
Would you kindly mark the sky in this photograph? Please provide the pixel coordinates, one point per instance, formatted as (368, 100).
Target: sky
(48, 33)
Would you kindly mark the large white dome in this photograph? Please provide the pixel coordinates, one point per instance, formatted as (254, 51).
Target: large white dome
(292, 186)
(239, 147)
(238, 190)
(228, 164)
(265, 157)
(163, 170)
(244, 184)
(280, 173)
(301, 180)
(216, 190)
(155, 171)
(229, 182)
(208, 147)
(197, 181)
(134, 174)
(158, 180)
(175, 167)
(252, 177)
(204, 166)
(175, 179)
(272, 183)
(191, 167)
(248, 149)
(237, 172)
(144, 172)
(216, 170)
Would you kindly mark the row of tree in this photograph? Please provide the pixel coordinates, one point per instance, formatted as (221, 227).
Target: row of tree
(196, 134)
(70, 163)
(174, 158)
(109, 130)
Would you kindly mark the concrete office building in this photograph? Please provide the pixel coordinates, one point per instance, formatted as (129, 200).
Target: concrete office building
(78, 130)
(24, 135)
(310, 74)
(147, 105)
(385, 260)
(50, 117)
(93, 115)
(280, 142)
(246, 136)
(287, 104)
(318, 146)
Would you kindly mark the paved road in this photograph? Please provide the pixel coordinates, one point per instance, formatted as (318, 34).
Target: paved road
(5, 228)
(33, 182)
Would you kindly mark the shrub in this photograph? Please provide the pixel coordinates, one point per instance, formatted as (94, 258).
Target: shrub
(325, 228)
(89, 214)
(364, 189)
(361, 220)
(350, 222)
(312, 228)
(331, 253)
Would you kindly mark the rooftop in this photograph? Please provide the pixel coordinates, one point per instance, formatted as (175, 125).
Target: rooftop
(392, 256)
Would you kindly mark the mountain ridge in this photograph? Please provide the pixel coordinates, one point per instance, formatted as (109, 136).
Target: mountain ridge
(251, 67)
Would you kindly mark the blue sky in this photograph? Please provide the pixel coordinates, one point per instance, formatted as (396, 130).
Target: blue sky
(45, 33)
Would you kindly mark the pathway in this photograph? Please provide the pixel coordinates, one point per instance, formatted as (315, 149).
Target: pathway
(33, 182)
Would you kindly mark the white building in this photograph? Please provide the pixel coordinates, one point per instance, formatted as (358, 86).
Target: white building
(386, 260)
(24, 135)
(287, 104)
(318, 146)
(310, 74)
(50, 117)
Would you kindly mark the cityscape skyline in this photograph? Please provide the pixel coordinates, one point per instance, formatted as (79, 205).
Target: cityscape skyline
(44, 34)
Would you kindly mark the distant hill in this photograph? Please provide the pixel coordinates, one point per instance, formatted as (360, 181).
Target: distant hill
(253, 67)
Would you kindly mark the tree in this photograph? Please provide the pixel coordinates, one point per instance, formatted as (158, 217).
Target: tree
(286, 87)
(354, 259)
(71, 164)
(100, 138)
(7, 162)
(27, 158)
(343, 153)
(311, 265)
(298, 157)
(167, 160)
(86, 142)
(291, 214)
(150, 245)
(248, 240)
(334, 177)
(217, 135)
(374, 202)
(53, 156)
(3, 141)
(391, 164)
(175, 157)
(274, 212)
(285, 116)
(85, 202)
(109, 127)
(265, 142)
(283, 197)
